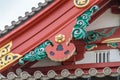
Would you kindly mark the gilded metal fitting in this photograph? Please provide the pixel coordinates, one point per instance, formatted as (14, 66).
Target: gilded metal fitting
(60, 38)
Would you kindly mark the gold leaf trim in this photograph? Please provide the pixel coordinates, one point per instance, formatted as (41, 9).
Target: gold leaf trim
(112, 40)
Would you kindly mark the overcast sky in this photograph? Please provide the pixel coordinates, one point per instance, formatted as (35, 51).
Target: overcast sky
(11, 9)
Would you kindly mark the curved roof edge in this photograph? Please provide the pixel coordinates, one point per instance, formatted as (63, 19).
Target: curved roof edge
(28, 15)
(64, 73)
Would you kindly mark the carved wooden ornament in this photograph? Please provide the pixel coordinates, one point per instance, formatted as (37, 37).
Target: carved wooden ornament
(62, 49)
(6, 56)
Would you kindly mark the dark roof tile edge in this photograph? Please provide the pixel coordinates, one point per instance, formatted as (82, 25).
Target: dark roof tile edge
(65, 73)
(28, 15)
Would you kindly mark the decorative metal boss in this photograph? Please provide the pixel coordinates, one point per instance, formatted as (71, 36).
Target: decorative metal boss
(81, 3)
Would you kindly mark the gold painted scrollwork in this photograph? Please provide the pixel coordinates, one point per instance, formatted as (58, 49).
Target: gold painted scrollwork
(5, 49)
(6, 57)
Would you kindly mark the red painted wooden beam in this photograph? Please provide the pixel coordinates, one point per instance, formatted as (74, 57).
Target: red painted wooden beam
(45, 34)
(71, 68)
(66, 20)
(115, 9)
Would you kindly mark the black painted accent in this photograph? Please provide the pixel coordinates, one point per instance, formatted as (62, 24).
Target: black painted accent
(96, 58)
(100, 58)
(108, 55)
(104, 57)
(66, 52)
(6, 57)
(52, 53)
(15, 57)
(59, 48)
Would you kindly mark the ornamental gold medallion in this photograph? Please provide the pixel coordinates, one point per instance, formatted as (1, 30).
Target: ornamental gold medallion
(81, 3)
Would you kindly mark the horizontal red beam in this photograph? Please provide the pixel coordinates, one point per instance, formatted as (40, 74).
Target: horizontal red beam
(84, 67)
(115, 9)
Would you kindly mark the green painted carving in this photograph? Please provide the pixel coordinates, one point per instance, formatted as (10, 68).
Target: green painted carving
(79, 31)
(91, 46)
(37, 54)
(113, 45)
(93, 36)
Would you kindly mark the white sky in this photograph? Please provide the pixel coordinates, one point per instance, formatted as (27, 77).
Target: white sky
(11, 9)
